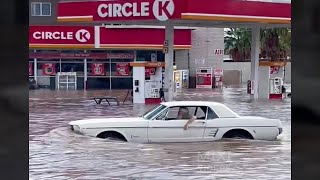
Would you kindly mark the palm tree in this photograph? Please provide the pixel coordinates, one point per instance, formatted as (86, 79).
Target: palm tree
(275, 43)
(237, 43)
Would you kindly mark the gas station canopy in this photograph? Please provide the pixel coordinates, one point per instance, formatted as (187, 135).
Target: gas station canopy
(197, 13)
(192, 13)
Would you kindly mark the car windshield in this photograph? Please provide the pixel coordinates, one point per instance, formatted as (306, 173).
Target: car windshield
(152, 112)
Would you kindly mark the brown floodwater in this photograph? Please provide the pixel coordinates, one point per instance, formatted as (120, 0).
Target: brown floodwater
(57, 153)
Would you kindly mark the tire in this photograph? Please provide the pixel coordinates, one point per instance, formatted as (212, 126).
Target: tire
(237, 134)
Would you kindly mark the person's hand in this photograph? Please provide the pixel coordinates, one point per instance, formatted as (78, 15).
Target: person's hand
(186, 126)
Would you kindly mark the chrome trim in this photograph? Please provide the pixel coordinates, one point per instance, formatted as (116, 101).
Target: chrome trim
(206, 114)
(178, 127)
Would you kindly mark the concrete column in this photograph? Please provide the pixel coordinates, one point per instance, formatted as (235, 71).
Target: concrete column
(96, 36)
(35, 68)
(85, 73)
(139, 74)
(264, 78)
(169, 63)
(255, 50)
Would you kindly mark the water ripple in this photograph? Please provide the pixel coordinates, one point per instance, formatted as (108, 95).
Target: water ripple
(57, 153)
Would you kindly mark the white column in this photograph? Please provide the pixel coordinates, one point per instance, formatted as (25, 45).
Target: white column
(255, 50)
(264, 78)
(138, 91)
(169, 63)
(60, 65)
(135, 56)
(35, 68)
(85, 72)
(96, 36)
(110, 74)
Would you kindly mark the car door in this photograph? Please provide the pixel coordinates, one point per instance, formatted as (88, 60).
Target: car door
(166, 128)
(212, 125)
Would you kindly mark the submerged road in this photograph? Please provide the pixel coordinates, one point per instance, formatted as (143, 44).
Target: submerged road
(57, 153)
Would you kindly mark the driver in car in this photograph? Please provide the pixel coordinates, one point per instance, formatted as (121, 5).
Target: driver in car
(183, 113)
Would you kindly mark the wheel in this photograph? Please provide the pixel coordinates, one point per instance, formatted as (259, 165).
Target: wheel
(238, 134)
(112, 135)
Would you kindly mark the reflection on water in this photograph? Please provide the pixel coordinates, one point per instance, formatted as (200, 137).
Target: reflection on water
(57, 153)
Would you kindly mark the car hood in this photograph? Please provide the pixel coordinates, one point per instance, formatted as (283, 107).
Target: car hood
(106, 120)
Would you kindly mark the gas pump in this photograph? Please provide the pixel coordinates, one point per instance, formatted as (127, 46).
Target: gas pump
(147, 82)
(185, 78)
(181, 80)
(204, 77)
(250, 89)
(275, 90)
(271, 83)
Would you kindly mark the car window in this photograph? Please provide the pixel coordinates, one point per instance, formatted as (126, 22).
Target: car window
(211, 114)
(162, 115)
(224, 112)
(172, 113)
(201, 112)
(153, 112)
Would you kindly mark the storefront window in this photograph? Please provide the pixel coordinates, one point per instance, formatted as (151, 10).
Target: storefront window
(144, 55)
(46, 71)
(73, 67)
(160, 56)
(147, 55)
(31, 68)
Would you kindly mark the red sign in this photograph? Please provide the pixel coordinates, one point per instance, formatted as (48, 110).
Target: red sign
(72, 35)
(161, 10)
(274, 69)
(48, 69)
(30, 69)
(82, 55)
(150, 71)
(218, 72)
(97, 69)
(122, 69)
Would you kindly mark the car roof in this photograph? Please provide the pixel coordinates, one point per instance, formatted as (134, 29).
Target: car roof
(191, 103)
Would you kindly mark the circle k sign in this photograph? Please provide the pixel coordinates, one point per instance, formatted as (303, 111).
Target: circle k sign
(163, 9)
(83, 35)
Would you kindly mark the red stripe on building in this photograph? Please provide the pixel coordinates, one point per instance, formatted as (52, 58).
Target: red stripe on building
(88, 11)
(242, 8)
(142, 36)
(83, 37)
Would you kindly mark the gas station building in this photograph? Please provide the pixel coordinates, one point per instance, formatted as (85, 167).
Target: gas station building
(139, 41)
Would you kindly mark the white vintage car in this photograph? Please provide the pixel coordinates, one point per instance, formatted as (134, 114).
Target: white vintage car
(160, 124)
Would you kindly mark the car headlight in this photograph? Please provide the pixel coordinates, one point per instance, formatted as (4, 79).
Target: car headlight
(280, 130)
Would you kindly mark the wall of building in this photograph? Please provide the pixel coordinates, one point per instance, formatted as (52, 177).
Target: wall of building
(245, 69)
(44, 20)
(204, 41)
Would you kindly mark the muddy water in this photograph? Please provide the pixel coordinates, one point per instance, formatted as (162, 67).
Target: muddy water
(57, 153)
